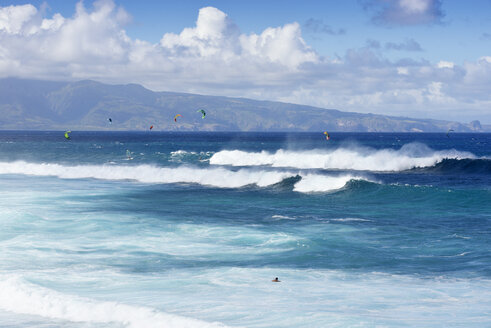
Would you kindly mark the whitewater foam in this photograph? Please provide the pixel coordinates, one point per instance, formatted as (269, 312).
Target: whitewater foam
(214, 176)
(179, 155)
(321, 183)
(351, 220)
(355, 158)
(182, 154)
(21, 297)
(282, 217)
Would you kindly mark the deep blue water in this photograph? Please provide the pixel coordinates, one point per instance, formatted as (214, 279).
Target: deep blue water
(133, 229)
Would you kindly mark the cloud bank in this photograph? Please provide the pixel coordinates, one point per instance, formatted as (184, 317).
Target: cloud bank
(215, 57)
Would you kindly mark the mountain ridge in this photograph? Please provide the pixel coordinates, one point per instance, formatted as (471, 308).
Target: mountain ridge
(87, 105)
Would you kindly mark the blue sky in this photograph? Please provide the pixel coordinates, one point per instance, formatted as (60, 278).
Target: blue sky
(420, 58)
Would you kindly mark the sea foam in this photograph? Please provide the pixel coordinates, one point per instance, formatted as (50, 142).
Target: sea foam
(21, 297)
(219, 177)
(320, 183)
(345, 158)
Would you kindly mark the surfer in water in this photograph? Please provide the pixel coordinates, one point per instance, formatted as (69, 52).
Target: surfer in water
(276, 280)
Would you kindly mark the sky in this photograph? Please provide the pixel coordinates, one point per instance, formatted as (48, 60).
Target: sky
(412, 58)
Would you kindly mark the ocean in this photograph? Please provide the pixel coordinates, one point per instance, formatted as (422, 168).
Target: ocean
(170, 229)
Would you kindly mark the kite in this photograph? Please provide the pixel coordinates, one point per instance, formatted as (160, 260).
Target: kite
(66, 134)
(327, 135)
(175, 117)
(202, 112)
(151, 127)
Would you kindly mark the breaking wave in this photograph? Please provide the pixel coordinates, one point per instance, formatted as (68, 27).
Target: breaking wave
(409, 156)
(219, 177)
(21, 297)
(319, 183)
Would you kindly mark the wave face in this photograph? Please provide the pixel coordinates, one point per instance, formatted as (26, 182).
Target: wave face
(212, 176)
(354, 158)
(465, 165)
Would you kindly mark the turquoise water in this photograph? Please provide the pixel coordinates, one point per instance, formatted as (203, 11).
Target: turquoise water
(363, 230)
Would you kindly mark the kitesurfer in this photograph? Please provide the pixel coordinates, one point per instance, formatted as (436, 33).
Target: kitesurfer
(276, 280)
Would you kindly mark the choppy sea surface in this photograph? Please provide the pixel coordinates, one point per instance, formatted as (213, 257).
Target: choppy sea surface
(137, 229)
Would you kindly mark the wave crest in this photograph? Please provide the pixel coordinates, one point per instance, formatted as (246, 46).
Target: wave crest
(219, 177)
(321, 183)
(409, 156)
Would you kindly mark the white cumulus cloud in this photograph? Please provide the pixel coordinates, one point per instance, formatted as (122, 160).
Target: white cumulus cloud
(215, 57)
(16, 19)
(445, 64)
(216, 35)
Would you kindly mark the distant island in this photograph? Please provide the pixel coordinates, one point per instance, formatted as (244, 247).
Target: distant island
(88, 105)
